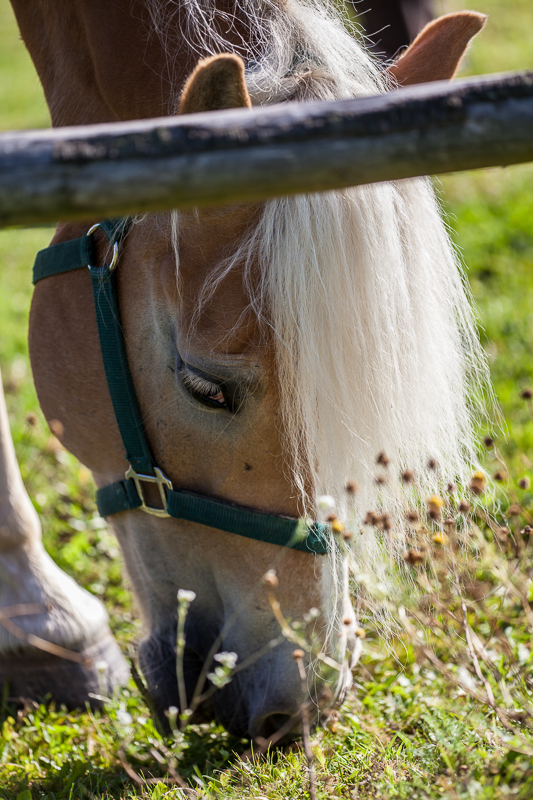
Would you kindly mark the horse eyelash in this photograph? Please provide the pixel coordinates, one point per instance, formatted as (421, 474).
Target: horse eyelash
(200, 385)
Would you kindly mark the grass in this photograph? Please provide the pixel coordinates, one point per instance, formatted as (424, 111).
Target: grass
(407, 730)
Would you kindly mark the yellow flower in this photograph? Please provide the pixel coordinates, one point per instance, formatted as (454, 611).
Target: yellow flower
(436, 501)
(435, 504)
(337, 526)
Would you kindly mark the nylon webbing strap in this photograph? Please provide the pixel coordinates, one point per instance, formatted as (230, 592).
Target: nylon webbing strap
(80, 253)
(117, 371)
(63, 257)
(117, 497)
(283, 531)
(76, 253)
(123, 495)
(276, 530)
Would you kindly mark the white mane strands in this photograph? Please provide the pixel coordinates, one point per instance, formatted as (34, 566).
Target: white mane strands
(375, 339)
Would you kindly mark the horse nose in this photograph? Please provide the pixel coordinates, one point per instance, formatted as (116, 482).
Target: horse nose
(264, 699)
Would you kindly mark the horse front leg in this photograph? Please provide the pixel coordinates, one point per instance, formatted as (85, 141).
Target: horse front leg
(54, 636)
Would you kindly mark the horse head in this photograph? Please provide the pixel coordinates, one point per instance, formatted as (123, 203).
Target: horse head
(259, 338)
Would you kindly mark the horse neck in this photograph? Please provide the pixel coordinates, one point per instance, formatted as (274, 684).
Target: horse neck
(101, 61)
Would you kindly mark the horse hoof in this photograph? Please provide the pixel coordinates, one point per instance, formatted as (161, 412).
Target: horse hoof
(38, 675)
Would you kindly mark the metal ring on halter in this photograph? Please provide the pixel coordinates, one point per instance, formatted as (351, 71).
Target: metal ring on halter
(110, 267)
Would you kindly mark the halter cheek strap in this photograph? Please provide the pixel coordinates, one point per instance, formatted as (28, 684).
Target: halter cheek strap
(128, 494)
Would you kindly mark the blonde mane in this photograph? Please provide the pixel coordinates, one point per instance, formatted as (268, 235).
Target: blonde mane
(375, 338)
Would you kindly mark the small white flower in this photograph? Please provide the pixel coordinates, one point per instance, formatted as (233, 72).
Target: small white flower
(325, 502)
(227, 660)
(466, 678)
(101, 667)
(219, 677)
(523, 653)
(124, 717)
(186, 595)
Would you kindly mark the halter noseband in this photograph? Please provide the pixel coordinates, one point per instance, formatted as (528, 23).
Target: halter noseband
(128, 494)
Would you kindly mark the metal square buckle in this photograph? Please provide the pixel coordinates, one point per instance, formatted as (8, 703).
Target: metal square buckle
(161, 481)
(114, 260)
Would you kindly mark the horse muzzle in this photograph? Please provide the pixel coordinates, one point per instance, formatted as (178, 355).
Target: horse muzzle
(263, 701)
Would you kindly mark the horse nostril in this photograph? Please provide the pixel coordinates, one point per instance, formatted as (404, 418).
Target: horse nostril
(284, 726)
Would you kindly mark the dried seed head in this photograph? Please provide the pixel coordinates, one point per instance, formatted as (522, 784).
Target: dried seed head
(414, 557)
(502, 533)
(298, 654)
(381, 480)
(514, 510)
(372, 518)
(488, 441)
(347, 621)
(56, 427)
(451, 488)
(408, 476)
(412, 516)
(478, 484)
(524, 483)
(31, 419)
(270, 579)
(435, 505)
(500, 475)
(527, 530)
(351, 487)
(360, 633)
(432, 464)
(526, 394)
(450, 522)
(386, 521)
(331, 518)
(383, 459)
(347, 535)
(464, 506)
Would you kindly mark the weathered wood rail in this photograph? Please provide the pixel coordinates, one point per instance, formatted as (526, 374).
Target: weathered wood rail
(240, 155)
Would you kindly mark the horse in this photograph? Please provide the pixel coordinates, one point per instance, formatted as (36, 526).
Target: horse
(272, 349)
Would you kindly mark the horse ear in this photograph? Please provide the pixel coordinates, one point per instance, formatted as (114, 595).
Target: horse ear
(216, 83)
(437, 51)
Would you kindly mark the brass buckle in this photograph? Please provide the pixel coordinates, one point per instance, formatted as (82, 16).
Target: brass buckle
(161, 481)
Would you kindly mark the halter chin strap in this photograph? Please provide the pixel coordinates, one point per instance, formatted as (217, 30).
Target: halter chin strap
(128, 494)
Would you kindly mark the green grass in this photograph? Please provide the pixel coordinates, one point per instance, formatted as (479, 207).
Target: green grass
(22, 103)
(405, 731)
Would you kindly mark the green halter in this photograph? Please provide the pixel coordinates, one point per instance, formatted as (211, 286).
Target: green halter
(128, 494)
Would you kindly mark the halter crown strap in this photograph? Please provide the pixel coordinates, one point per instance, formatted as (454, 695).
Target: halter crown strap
(128, 494)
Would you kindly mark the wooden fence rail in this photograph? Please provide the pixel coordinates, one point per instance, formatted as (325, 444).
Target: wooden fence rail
(224, 157)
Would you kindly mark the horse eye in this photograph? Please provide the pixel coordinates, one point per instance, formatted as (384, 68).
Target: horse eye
(204, 390)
